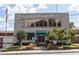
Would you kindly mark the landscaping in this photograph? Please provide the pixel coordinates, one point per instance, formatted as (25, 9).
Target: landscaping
(49, 47)
(58, 38)
(30, 46)
(72, 46)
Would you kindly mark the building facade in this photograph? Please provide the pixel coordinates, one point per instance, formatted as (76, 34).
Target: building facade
(37, 24)
(7, 39)
(76, 38)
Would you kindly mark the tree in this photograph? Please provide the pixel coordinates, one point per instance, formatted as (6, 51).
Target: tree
(20, 35)
(51, 34)
(71, 33)
(71, 25)
(60, 34)
(55, 34)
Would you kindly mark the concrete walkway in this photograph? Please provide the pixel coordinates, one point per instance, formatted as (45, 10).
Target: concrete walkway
(39, 52)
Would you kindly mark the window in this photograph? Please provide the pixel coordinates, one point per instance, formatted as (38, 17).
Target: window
(59, 23)
(29, 36)
(52, 22)
(41, 23)
(32, 25)
(37, 22)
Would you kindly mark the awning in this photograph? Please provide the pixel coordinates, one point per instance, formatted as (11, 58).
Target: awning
(40, 33)
(30, 34)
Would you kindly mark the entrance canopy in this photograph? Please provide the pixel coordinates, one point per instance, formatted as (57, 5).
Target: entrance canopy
(30, 34)
(40, 33)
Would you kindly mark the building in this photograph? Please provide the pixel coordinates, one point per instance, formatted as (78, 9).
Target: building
(76, 38)
(7, 39)
(37, 24)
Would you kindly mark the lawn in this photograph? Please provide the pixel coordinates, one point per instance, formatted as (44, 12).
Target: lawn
(72, 46)
(18, 48)
(12, 48)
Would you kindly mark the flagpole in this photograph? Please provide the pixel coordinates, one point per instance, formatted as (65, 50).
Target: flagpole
(6, 22)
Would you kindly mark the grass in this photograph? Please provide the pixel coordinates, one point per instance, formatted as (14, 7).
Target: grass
(17, 47)
(61, 47)
(72, 46)
(13, 48)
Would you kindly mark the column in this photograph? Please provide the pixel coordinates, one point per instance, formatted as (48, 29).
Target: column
(34, 24)
(57, 22)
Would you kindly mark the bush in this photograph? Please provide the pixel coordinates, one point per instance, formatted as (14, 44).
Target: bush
(49, 46)
(22, 43)
(28, 47)
(31, 46)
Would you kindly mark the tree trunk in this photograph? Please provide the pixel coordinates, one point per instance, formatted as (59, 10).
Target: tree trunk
(20, 42)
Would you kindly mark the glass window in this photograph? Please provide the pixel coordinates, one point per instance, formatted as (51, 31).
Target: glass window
(41, 23)
(59, 23)
(29, 36)
(52, 22)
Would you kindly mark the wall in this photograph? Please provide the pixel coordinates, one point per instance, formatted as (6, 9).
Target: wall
(19, 17)
(8, 41)
(76, 38)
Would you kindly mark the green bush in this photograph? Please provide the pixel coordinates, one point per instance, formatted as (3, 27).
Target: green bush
(60, 34)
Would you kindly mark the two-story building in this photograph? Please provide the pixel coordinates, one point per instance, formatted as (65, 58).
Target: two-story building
(37, 24)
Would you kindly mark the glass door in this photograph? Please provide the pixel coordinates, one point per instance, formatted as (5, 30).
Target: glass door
(41, 39)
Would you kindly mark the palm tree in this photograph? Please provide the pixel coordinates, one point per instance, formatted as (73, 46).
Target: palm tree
(20, 35)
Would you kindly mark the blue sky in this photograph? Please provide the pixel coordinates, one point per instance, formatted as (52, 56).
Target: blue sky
(34, 8)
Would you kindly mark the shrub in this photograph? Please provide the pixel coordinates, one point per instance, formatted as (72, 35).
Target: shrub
(31, 46)
(22, 43)
(49, 46)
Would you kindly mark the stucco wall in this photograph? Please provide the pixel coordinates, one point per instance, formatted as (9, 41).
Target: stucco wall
(20, 17)
(76, 38)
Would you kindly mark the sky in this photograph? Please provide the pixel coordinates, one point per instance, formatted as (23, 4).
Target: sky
(72, 9)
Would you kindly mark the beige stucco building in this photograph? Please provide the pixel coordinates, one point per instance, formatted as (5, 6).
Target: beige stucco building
(37, 24)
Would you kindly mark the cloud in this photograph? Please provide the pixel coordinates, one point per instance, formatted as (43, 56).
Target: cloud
(75, 21)
(76, 24)
(42, 6)
(10, 25)
(73, 7)
(23, 8)
(1, 5)
(19, 8)
(2, 24)
(34, 10)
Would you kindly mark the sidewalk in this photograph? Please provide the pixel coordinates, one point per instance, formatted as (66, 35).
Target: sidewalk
(39, 52)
